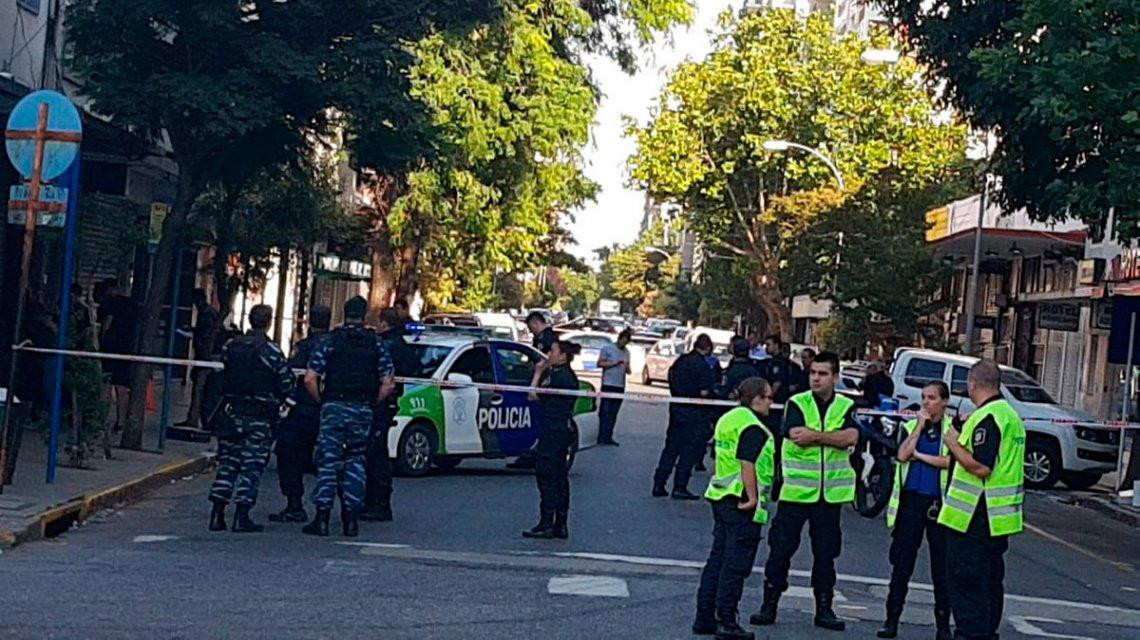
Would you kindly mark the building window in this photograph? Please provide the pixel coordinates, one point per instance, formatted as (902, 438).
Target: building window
(32, 6)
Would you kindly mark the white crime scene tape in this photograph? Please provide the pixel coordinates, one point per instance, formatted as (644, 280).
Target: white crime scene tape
(599, 395)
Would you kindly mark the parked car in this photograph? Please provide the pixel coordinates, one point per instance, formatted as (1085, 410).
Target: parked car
(501, 325)
(595, 324)
(592, 343)
(1074, 450)
(658, 360)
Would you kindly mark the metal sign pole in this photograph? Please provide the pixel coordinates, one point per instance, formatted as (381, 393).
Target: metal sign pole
(1124, 404)
(171, 332)
(64, 319)
(972, 295)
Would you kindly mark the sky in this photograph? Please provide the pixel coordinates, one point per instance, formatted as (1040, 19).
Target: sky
(616, 215)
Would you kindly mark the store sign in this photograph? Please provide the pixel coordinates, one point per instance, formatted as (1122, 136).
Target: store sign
(937, 224)
(1059, 316)
(1090, 272)
(1125, 266)
(986, 322)
(351, 268)
(1101, 317)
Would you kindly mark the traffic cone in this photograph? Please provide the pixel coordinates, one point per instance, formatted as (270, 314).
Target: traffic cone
(151, 406)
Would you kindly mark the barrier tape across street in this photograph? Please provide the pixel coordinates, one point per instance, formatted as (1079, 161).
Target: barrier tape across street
(598, 395)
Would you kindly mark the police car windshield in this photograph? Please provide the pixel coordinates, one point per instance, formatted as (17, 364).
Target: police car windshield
(1024, 388)
(428, 358)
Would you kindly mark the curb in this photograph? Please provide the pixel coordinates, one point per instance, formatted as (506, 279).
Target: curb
(1127, 515)
(58, 519)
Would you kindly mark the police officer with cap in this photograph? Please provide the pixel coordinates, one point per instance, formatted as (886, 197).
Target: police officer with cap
(298, 434)
(256, 378)
(354, 364)
(982, 506)
(378, 467)
(819, 428)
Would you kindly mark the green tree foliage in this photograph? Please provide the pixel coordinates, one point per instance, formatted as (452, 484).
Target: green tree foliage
(633, 279)
(773, 75)
(1056, 82)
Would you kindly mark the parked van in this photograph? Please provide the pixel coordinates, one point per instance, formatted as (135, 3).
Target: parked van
(1066, 450)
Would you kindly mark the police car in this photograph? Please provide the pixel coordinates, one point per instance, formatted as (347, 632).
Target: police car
(437, 426)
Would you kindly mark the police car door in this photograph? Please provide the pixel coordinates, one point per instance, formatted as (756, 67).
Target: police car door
(514, 424)
(463, 407)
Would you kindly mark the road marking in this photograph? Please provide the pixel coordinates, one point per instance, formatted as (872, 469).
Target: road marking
(374, 545)
(592, 586)
(807, 593)
(145, 538)
(1024, 624)
(350, 568)
(1081, 550)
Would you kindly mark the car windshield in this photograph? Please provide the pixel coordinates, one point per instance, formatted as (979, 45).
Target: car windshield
(1024, 388)
(428, 358)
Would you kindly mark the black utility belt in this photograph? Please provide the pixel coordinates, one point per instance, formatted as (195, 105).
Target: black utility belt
(258, 407)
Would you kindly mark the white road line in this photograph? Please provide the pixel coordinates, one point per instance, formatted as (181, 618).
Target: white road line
(807, 593)
(148, 538)
(1024, 624)
(591, 586)
(374, 545)
(844, 577)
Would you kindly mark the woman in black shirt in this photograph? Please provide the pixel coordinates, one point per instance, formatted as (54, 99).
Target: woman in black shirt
(555, 437)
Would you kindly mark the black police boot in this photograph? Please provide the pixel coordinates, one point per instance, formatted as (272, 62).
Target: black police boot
(349, 522)
(768, 609)
(320, 524)
(545, 524)
(561, 529)
(242, 522)
(942, 625)
(659, 490)
(376, 513)
(731, 630)
(891, 626)
(218, 516)
(294, 511)
(684, 494)
(705, 623)
(825, 618)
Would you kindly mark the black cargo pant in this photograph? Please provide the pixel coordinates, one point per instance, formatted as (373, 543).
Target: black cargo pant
(551, 472)
(784, 539)
(295, 444)
(377, 465)
(684, 443)
(912, 524)
(735, 541)
(976, 564)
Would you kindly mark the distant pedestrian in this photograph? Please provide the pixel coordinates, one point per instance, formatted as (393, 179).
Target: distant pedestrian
(555, 438)
(202, 341)
(298, 435)
(256, 379)
(356, 369)
(614, 362)
(689, 377)
(739, 492)
(119, 315)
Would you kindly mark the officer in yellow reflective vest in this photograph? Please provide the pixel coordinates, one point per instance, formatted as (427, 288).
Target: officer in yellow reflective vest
(819, 428)
(921, 476)
(982, 505)
(739, 491)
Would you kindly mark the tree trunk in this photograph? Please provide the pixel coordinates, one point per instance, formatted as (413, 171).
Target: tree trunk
(766, 291)
(172, 238)
(383, 283)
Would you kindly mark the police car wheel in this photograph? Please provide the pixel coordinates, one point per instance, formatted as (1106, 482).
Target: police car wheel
(416, 454)
(1042, 463)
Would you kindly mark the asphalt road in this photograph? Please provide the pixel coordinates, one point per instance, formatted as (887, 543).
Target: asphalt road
(454, 566)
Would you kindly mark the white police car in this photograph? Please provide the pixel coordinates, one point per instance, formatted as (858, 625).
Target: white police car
(437, 426)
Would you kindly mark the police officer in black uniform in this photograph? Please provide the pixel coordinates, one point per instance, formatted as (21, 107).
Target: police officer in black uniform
(741, 368)
(543, 338)
(689, 377)
(256, 379)
(378, 467)
(298, 434)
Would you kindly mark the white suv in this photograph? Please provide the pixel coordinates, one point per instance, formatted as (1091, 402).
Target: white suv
(1067, 450)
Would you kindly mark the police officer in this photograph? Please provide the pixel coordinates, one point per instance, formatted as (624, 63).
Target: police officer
(982, 506)
(778, 369)
(689, 377)
(543, 336)
(739, 491)
(357, 373)
(298, 435)
(921, 477)
(740, 368)
(817, 480)
(256, 378)
(378, 488)
(555, 437)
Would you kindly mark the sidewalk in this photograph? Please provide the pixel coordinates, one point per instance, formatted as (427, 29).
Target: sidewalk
(1104, 499)
(30, 509)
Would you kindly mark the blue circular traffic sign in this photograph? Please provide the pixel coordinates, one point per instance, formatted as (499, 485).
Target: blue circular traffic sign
(63, 117)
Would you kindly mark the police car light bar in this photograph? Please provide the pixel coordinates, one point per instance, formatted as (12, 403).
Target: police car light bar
(418, 329)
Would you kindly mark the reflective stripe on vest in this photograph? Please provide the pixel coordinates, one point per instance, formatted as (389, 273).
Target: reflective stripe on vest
(902, 468)
(727, 480)
(1004, 490)
(814, 473)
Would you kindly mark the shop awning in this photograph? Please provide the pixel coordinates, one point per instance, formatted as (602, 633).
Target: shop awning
(1008, 243)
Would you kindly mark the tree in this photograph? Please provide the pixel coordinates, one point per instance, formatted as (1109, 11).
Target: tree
(1055, 81)
(210, 76)
(773, 75)
(633, 279)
